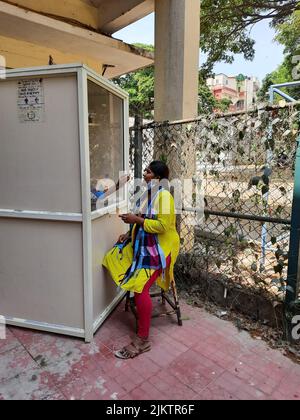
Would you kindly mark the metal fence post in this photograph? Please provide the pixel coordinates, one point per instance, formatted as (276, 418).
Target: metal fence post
(293, 269)
(138, 147)
(269, 159)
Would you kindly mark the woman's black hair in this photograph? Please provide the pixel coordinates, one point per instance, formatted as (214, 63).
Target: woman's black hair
(159, 169)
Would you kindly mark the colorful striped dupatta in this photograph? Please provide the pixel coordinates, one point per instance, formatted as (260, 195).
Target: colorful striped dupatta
(147, 253)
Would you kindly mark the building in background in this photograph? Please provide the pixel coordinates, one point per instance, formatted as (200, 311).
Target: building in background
(240, 90)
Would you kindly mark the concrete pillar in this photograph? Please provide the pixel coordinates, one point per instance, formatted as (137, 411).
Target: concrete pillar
(177, 33)
(177, 36)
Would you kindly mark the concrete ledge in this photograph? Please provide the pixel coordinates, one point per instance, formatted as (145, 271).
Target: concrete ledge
(31, 27)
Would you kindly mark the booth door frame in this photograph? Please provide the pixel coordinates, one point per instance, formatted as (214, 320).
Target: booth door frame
(82, 73)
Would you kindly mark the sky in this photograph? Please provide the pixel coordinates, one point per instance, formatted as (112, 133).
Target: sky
(269, 54)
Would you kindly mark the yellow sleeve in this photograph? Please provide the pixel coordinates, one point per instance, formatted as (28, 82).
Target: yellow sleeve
(165, 207)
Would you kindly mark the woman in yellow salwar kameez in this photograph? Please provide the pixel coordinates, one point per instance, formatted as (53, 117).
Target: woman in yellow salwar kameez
(147, 254)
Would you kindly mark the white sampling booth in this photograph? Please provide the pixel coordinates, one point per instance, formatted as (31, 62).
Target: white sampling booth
(63, 129)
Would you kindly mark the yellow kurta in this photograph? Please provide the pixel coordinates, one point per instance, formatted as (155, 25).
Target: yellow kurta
(165, 227)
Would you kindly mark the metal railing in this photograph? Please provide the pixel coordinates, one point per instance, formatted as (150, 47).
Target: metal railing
(246, 166)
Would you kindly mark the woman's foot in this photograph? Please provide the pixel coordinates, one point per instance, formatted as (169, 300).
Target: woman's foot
(138, 346)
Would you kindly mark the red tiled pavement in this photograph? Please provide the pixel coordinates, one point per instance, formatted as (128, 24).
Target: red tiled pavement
(207, 358)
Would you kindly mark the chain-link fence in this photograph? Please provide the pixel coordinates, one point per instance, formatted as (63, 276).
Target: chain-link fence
(244, 164)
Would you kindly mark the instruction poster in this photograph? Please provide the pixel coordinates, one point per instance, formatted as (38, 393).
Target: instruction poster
(31, 100)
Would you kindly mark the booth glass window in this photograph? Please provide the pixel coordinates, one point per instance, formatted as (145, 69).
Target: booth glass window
(106, 137)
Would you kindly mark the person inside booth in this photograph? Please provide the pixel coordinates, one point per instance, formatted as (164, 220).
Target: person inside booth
(100, 190)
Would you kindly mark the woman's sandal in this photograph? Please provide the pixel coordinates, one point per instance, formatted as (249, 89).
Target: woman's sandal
(138, 346)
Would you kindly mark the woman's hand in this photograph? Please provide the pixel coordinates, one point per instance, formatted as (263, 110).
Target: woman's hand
(131, 219)
(124, 238)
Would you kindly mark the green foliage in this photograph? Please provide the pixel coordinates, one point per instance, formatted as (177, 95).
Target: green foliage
(207, 102)
(226, 25)
(225, 31)
(288, 34)
(282, 74)
(140, 87)
(269, 80)
(223, 105)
